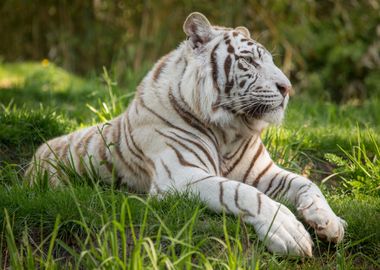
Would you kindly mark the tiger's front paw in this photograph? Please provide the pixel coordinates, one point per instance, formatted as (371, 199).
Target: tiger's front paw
(282, 233)
(318, 214)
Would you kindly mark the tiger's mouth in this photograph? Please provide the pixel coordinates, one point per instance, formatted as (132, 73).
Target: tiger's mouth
(254, 108)
(260, 110)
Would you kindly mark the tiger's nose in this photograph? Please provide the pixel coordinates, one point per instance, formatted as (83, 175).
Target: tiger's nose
(283, 88)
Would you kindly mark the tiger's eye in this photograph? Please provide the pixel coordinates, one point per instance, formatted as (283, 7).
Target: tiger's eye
(250, 60)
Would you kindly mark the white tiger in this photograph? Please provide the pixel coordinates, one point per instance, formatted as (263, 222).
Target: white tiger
(195, 123)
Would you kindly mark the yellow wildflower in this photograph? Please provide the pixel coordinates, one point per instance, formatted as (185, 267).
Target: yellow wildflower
(45, 62)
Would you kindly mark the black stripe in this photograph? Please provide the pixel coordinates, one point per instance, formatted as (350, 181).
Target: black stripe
(128, 143)
(182, 160)
(227, 70)
(299, 189)
(230, 49)
(289, 184)
(221, 194)
(279, 183)
(182, 74)
(207, 154)
(83, 149)
(281, 186)
(167, 170)
(103, 155)
(131, 136)
(258, 178)
(258, 51)
(167, 122)
(188, 110)
(190, 119)
(120, 155)
(236, 199)
(214, 66)
(270, 183)
(231, 168)
(184, 146)
(160, 66)
(249, 86)
(255, 157)
(240, 66)
(259, 194)
(200, 180)
(229, 156)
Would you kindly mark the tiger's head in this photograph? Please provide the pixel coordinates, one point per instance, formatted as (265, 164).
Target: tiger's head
(245, 81)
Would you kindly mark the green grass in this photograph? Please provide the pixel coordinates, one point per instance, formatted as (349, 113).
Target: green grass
(88, 225)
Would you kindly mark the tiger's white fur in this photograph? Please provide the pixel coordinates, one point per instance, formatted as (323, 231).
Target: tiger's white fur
(195, 123)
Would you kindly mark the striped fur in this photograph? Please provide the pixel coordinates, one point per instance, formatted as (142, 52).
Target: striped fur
(195, 123)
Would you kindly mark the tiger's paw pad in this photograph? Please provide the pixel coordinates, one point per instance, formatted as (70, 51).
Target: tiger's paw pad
(327, 225)
(331, 229)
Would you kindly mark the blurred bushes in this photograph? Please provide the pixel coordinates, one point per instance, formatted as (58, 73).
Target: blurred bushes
(330, 49)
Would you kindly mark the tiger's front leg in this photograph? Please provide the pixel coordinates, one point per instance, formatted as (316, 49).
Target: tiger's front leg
(259, 171)
(274, 223)
(309, 201)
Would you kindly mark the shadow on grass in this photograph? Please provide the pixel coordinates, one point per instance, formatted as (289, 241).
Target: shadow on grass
(23, 130)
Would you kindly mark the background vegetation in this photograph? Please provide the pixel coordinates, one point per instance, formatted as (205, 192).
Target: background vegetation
(69, 64)
(329, 48)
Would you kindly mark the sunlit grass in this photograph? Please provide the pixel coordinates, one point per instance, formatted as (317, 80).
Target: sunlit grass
(100, 226)
(86, 225)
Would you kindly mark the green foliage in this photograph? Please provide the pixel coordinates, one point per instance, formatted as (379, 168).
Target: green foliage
(329, 49)
(36, 85)
(361, 214)
(360, 169)
(22, 130)
(116, 104)
(95, 227)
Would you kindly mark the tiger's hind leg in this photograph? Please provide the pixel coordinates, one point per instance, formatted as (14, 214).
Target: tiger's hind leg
(43, 168)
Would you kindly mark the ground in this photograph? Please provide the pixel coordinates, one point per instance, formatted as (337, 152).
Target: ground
(88, 225)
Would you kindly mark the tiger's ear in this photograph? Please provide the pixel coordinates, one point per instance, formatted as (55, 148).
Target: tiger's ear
(244, 31)
(198, 29)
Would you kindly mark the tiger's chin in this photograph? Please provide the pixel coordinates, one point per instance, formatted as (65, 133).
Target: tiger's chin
(275, 116)
(271, 115)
